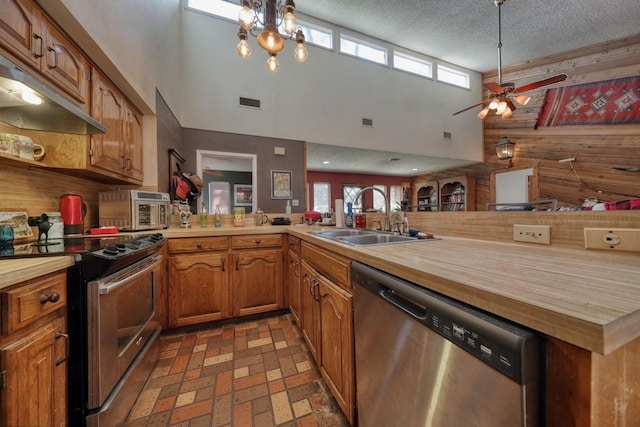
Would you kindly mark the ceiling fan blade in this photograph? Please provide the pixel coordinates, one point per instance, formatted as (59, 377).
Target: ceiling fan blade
(535, 85)
(470, 107)
(510, 104)
(493, 87)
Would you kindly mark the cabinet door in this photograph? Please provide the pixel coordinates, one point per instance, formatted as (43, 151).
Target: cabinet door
(337, 343)
(293, 282)
(257, 281)
(198, 288)
(20, 32)
(309, 309)
(65, 64)
(133, 144)
(107, 107)
(36, 378)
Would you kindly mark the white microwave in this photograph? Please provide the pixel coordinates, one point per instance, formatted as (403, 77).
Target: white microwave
(133, 210)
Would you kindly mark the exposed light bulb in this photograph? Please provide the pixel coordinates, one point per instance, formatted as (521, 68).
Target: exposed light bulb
(523, 99)
(31, 98)
(246, 17)
(272, 64)
(289, 23)
(243, 49)
(493, 104)
(301, 54)
(502, 106)
(483, 113)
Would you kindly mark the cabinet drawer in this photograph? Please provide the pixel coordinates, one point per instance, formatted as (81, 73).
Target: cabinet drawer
(294, 244)
(256, 241)
(198, 244)
(24, 304)
(329, 264)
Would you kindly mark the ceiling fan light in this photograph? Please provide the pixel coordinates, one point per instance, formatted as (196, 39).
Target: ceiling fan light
(507, 113)
(494, 104)
(483, 113)
(523, 99)
(502, 107)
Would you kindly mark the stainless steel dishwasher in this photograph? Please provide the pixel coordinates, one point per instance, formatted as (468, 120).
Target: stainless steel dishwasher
(423, 359)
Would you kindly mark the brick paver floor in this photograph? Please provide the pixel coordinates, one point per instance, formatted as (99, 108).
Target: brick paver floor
(253, 373)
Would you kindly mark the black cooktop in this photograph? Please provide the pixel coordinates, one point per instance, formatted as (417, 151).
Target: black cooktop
(108, 247)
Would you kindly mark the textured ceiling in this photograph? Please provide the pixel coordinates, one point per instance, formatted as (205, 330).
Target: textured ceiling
(465, 33)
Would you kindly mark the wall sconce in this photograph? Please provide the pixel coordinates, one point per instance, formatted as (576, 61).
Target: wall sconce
(505, 149)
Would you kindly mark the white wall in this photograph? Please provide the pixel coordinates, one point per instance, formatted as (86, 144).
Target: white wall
(322, 100)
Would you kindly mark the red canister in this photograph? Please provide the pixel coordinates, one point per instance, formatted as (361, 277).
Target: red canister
(72, 211)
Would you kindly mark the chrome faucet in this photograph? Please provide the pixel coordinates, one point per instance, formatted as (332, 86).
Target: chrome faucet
(387, 207)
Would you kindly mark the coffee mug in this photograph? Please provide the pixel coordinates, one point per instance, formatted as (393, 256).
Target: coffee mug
(30, 150)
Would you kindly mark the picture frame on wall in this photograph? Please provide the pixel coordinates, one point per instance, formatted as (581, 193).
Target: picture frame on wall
(281, 185)
(242, 194)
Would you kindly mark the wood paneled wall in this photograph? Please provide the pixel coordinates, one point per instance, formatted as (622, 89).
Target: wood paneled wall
(597, 148)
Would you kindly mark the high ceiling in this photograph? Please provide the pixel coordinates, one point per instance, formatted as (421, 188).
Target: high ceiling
(465, 33)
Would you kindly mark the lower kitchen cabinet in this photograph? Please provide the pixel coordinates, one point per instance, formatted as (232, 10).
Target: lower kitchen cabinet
(198, 281)
(257, 281)
(33, 353)
(327, 321)
(294, 278)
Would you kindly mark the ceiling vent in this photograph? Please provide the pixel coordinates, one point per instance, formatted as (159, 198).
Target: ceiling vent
(249, 102)
(367, 122)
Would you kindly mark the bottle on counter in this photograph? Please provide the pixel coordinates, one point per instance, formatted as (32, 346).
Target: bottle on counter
(348, 221)
(203, 216)
(288, 208)
(217, 217)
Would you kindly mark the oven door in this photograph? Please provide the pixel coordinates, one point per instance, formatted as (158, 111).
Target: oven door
(120, 312)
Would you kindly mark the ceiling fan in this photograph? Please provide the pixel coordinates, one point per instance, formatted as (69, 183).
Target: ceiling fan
(502, 95)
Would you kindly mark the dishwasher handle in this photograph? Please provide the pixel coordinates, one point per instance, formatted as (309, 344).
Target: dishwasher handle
(404, 304)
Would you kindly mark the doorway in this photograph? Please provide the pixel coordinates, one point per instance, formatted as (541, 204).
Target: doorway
(229, 180)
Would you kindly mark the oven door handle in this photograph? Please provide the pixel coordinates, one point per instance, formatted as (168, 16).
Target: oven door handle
(129, 274)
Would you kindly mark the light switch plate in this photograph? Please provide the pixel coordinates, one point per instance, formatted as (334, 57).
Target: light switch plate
(532, 234)
(295, 202)
(619, 239)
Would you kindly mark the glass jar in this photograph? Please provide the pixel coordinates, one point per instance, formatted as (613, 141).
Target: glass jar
(238, 217)
(56, 230)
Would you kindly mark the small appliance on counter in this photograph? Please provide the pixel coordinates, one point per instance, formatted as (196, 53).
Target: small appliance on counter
(133, 210)
(72, 211)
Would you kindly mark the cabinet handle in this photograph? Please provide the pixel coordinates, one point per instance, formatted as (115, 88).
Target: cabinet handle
(55, 58)
(199, 246)
(237, 268)
(61, 360)
(222, 264)
(257, 241)
(38, 38)
(54, 297)
(316, 295)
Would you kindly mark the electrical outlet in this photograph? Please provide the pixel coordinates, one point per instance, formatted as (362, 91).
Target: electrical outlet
(620, 239)
(295, 202)
(532, 234)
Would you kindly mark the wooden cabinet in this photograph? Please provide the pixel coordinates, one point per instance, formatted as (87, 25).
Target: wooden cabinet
(293, 283)
(198, 281)
(32, 40)
(457, 194)
(425, 196)
(33, 353)
(119, 150)
(327, 321)
(257, 275)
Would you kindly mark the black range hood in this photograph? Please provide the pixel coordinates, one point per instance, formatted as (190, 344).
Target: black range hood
(54, 113)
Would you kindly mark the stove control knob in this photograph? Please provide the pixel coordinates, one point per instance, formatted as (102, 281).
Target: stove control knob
(121, 247)
(111, 250)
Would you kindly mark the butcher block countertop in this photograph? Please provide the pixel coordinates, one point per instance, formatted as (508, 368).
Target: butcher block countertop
(14, 271)
(589, 298)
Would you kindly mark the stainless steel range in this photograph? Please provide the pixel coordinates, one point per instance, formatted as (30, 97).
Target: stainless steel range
(112, 326)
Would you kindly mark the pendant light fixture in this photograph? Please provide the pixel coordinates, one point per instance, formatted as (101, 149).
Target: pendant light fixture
(274, 15)
(505, 149)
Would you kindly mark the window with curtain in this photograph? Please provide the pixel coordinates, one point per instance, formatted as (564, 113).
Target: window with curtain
(321, 196)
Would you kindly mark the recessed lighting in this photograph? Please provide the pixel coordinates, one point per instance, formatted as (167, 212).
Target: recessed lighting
(414, 169)
(326, 162)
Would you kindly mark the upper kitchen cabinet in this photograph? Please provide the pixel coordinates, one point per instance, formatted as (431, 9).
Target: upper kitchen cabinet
(28, 37)
(119, 150)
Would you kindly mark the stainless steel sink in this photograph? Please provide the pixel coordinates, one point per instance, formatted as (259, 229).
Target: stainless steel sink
(364, 237)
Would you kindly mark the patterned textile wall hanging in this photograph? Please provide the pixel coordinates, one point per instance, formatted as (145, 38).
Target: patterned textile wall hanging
(601, 103)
